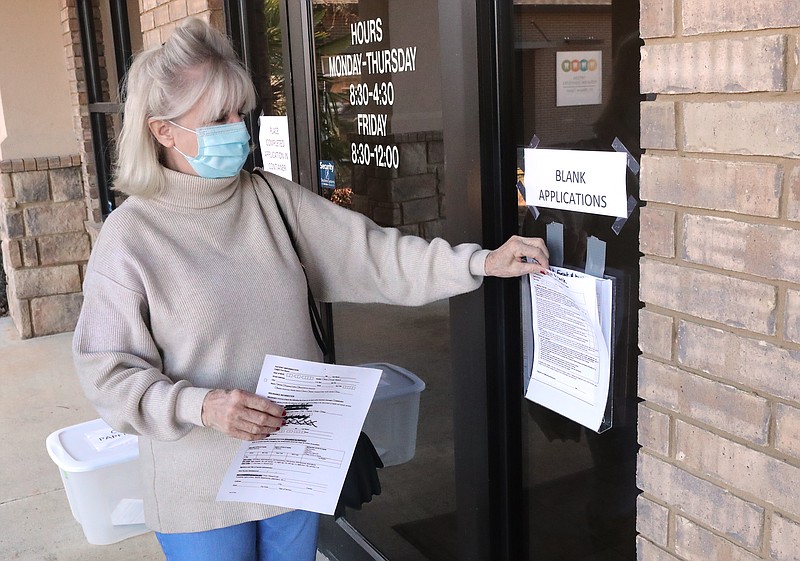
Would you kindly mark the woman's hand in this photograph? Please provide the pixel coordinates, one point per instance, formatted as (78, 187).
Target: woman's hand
(508, 260)
(241, 414)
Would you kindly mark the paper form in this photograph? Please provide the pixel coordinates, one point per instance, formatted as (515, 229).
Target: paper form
(304, 464)
(571, 331)
(276, 150)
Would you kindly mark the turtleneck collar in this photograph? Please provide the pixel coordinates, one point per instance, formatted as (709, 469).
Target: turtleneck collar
(192, 191)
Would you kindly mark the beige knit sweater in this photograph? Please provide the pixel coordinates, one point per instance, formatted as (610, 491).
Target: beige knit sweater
(188, 291)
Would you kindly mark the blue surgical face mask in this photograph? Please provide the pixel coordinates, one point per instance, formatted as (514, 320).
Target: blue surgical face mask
(221, 149)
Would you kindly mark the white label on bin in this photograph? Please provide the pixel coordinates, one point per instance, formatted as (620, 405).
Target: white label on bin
(105, 438)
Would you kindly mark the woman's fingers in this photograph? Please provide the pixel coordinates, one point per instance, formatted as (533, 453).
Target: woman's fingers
(518, 256)
(257, 403)
(241, 414)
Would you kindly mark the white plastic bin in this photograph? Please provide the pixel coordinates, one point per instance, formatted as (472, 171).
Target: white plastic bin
(100, 470)
(391, 423)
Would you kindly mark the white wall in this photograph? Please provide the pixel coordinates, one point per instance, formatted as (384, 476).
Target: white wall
(35, 102)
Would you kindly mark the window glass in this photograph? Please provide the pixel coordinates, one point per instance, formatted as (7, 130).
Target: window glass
(577, 65)
(381, 154)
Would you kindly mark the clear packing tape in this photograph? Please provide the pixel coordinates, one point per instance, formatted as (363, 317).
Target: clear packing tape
(634, 166)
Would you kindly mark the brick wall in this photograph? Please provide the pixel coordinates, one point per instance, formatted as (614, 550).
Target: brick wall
(50, 206)
(720, 278)
(44, 242)
(159, 17)
(73, 55)
(44, 206)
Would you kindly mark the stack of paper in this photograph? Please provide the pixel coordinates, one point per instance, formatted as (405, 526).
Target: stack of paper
(572, 335)
(304, 464)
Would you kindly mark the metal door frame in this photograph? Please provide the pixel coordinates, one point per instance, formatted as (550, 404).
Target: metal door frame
(478, 63)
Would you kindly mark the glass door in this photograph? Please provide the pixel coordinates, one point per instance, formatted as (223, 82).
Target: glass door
(577, 67)
(412, 112)
(366, 102)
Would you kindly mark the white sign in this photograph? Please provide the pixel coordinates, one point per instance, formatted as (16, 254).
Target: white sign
(576, 180)
(579, 78)
(273, 137)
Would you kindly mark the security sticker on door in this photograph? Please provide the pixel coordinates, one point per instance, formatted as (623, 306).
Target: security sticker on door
(576, 180)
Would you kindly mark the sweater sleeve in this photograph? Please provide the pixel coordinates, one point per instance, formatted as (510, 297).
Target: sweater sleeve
(349, 258)
(119, 365)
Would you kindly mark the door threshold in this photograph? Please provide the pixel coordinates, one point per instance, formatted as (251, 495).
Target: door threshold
(341, 541)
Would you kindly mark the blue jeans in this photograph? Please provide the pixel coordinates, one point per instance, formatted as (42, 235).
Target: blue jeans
(289, 537)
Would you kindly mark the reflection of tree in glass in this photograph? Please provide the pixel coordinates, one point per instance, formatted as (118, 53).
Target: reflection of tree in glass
(331, 37)
(272, 31)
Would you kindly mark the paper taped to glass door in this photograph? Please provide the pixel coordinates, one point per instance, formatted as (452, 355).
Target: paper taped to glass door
(577, 181)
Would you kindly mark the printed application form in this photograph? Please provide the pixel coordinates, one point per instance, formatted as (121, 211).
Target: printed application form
(571, 333)
(304, 464)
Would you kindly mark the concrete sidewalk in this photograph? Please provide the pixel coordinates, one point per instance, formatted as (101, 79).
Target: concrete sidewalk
(40, 395)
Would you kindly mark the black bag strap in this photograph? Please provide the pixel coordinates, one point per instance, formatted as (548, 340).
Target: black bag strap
(362, 481)
(313, 311)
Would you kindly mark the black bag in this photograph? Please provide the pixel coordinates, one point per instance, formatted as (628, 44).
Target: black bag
(362, 481)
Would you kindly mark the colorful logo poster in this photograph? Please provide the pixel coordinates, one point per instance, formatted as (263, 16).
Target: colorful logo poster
(579, 78)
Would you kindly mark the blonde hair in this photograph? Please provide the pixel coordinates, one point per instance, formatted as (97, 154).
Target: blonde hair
(196, 63)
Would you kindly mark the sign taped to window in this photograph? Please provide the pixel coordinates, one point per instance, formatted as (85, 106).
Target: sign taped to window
(577, 180)
(273, 137)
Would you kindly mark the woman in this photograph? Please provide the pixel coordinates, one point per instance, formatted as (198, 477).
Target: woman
(194, 279)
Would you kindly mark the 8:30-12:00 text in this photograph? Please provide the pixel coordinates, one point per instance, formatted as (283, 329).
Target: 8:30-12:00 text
(362, 154)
